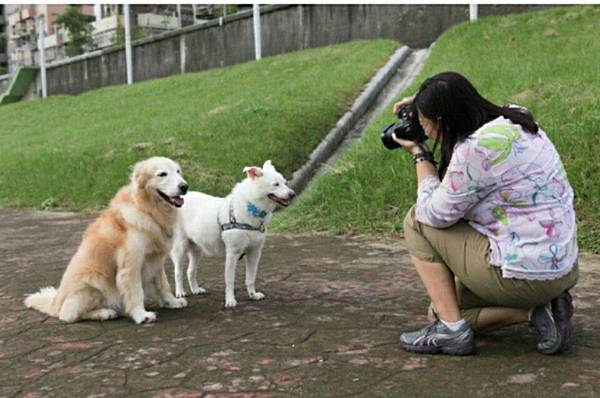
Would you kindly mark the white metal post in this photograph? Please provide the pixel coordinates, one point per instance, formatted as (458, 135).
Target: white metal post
(257, 42)
(195, 11)
(179, 16)
(42, 50)
(473, 12)
(128, 44)
(98, 11)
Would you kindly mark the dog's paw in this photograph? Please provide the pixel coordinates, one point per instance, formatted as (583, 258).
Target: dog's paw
(176, 303)
(256, 295)
(143, 316)
(198, 290)
(107, 314)
(230, 302)
(180, 293)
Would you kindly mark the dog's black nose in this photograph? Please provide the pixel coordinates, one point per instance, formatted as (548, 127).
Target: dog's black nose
(183, 187)
(292, 195)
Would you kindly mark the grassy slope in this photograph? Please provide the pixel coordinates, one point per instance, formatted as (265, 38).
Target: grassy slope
(547, 61)
(73, 152)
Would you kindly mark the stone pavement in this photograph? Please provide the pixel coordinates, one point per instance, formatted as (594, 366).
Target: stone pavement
(328, 328)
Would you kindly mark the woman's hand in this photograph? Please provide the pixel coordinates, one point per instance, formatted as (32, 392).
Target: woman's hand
(410, 146)
(404, 101)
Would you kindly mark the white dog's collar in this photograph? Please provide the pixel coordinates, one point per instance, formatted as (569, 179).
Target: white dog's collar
(233, 224)
(255, 211)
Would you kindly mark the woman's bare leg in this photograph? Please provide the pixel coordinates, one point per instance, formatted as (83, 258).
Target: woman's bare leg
(439, 283)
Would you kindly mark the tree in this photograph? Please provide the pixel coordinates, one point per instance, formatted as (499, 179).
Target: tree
(79, 29)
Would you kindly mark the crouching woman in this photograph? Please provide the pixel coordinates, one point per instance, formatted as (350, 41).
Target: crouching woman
(492, 235)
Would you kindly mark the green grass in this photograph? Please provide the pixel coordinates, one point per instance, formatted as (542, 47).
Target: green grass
(548, 61)
(73, 152)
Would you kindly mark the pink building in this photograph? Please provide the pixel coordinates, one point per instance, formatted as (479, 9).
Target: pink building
(23, 24)
(106, 21)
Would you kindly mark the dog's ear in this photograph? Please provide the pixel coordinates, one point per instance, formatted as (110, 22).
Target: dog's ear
(268, 165)
(253, 172)
(141, 174)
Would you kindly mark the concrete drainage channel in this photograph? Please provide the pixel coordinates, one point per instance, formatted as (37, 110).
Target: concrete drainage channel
(387, 84)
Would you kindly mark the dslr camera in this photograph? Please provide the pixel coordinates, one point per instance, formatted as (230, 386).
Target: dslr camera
(409, 128)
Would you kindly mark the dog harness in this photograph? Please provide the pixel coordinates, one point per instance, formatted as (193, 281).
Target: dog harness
(233, 224)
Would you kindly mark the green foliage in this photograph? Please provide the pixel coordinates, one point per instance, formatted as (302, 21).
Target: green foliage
(509, 59)
(73, 152)
(79, 30)
(49, 204)
(3, 70)
(224, 9)
(137, 32)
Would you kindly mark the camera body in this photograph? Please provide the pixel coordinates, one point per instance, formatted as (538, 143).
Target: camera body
(409, 128)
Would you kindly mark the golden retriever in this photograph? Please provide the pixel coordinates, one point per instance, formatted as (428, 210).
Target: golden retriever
(120, 261)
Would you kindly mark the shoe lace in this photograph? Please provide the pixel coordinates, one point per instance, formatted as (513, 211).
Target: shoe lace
(433, 328)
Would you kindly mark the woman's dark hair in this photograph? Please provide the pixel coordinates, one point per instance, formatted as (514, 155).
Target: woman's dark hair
(451, 100)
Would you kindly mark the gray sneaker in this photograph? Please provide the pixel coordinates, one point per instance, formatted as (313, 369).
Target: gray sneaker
(437, 338)
(553, 339)
(562, 311)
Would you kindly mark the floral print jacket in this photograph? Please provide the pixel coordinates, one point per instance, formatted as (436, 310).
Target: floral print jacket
(511, 186)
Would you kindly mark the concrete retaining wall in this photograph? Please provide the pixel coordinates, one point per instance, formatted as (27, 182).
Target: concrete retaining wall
(285, 28)
(4, 82)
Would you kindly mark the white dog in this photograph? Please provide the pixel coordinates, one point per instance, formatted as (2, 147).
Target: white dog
(234, 225)
(120, 262)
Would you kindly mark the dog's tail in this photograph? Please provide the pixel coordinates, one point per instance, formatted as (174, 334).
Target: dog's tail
(43, 300)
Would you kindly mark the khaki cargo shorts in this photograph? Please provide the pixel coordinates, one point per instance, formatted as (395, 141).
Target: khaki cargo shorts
(479, 284)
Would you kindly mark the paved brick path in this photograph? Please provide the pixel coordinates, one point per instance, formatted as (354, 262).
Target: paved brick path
(328, 327)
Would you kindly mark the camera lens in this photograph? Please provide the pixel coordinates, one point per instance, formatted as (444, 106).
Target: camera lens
(387, 139)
